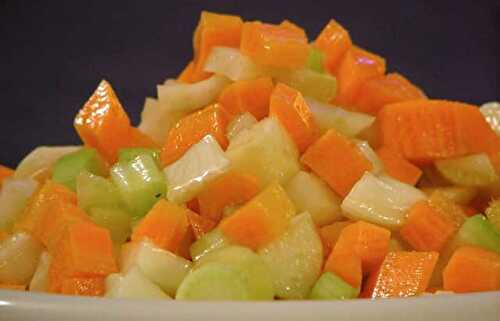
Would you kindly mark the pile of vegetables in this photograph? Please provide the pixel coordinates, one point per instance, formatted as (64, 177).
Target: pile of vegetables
(271, 168)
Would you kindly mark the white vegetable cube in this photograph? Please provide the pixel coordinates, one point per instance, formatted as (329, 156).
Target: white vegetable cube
(240, 123)
(230, 62)
(266, 151)
(473, 170)
(187, 176)
(346, 122)
(132, 285)
(14, 196)
(19, 256)
(295, 259)
(491, 112)
(40, 159)
(309, 193)
(380, 200)
(161, 267)
(40, 280)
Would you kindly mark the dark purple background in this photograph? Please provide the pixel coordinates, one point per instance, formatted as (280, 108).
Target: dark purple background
(53, 53)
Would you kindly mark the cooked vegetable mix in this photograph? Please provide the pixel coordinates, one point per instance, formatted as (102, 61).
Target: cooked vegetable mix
(273, 167)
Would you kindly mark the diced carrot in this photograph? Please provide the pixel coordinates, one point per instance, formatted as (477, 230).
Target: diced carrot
(290, 108)
(398, 167)
(12, 287)
(200, 225)
(448, 208)
(272, 45)
(39, 205)
(427, 130)
(92, 286)
(293, 26)
(357, 67)
(330, 234)
(472, 269)
(401, 274)
(190, 129)
(194, 205)
(260, 220)
(102, 123)
(3, 235)
(213, 30)
(139, 139)
(187, 73)
(427, 228)
(5, 173)
(337, 160)
(347, 266)
(231, 188)
(469, 210)
(247, 96)
(334, 41)
(165, 225)
(387, 89)
(85, 250)
(184, 247)
(56, 219)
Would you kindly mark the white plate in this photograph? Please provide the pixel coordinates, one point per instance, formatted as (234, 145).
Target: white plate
(40, 307)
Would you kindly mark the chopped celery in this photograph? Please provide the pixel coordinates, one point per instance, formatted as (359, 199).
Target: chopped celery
(209, 242)
(309, 193)
(320, 86)
(346, 122)
(380, 200)
(188, 175)
(161, 267)
(41, 158)
(132, 285)
(14, 196)
(471, 170)
(140, 184)
(230, 62)
(478, 231)
(128, 154)
(295, 259)
(116, 220)
(315, 60)
(331, 287)
(67, 168)
(96, 191)
(19, 256)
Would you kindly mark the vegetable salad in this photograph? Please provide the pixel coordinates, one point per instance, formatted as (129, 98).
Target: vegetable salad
(272, 167)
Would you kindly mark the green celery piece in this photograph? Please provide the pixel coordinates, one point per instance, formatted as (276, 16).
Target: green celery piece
(478, 231)
(67, 168)
(315, 60)
(320, 86)
(96, 191)
(209, 242)
(127, 154)
(331, 287)
(140, 183)
(116, 220)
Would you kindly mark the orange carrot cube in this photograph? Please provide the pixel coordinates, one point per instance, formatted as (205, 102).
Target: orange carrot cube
(247, 96)
(272, 45)
(337, 160)
(191, 129)
(165, 225)
(402, 274)
(261, 220)
(187, 73)
(288, 105)
(357, 67)
(472, 269)
(200, 225)
(5, 173)
(231, 188)
(347, 266)
(398, 167)
(92, 286)
(334, 41)
(330, 234)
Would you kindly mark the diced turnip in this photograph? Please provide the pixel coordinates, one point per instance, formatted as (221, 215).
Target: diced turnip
(491, 112)
(40, 280)
(187, 176)
(41, 159)
(229, 273)
(459, 194)
(370, 154)
(238, 124)
(230, 62)
(345, 122)
(266, 151)
(161, 267)
(209, 242)
(295, 259)
(132, 285)
(309, 193)
(19, 256)
(471, 170)
(380, 200)
(14, 196)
